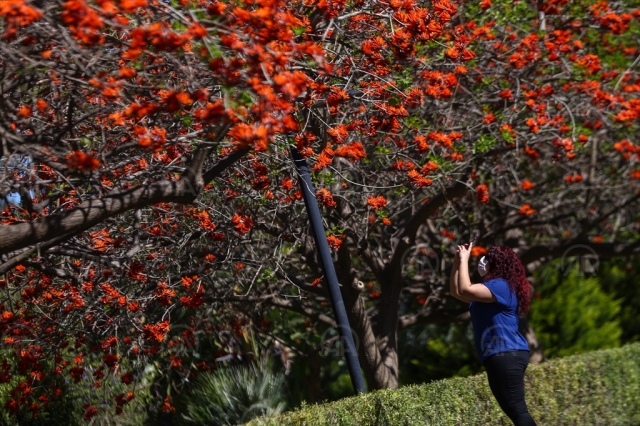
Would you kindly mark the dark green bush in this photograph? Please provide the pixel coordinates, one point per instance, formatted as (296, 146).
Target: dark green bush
(597, 388)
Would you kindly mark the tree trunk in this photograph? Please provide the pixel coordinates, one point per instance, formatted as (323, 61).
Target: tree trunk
(313, 378)
(378, 355)
(536, 355)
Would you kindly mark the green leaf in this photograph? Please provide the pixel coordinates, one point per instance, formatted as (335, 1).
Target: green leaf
(484, 144)
(298, 30)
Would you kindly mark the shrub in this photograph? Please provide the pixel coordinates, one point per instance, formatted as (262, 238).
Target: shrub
(571, 314)
(235, 394)
(596, 388)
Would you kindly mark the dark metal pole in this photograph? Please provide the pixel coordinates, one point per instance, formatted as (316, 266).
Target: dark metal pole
(309, 196)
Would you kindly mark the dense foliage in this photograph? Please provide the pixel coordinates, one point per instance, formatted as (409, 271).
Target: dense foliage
(573, 314)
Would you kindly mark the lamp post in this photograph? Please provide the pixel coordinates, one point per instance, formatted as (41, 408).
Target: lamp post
(335, 296)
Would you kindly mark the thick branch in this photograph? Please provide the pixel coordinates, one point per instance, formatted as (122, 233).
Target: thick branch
(16, 260)
(92, 212)
(223, 165)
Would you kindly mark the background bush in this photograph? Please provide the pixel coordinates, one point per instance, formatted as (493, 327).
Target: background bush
(597, 388)
(571, 313)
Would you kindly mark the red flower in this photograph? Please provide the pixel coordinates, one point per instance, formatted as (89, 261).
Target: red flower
(242, 224)
(489, 118)
(42, 105)
(573, 178)
(532, 152)
(324, 159)
(506, 94)
(376, 203)
(325, 198)
(24, 111)
(482, 191)
(166, 405)
(418, 180)
(156, 332)
(127, 378)
(153, 139)
(478, 251)
(334, 242)
(354, 151)
(111, 360)
(110, 342)
(89, 411)
(131, 6)
(164, 294)
(80, 161)
(428, 168)
(448, 234)
(526, 210)
(527, 185)
(76, 373)
(421, 143)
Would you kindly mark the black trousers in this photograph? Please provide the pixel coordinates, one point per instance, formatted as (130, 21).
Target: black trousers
(505, 371)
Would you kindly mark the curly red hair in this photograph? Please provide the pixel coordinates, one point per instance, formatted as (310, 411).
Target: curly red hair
(504, 263)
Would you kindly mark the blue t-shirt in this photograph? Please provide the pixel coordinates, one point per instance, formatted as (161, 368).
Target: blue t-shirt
(495, 325)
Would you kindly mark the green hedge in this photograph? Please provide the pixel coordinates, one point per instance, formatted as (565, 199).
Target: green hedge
(596, 388)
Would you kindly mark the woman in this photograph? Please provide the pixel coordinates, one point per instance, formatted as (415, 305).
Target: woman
(494, 306)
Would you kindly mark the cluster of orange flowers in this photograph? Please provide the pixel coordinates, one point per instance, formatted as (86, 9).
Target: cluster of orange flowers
(156, 332)
(17, 14)
(325, 198)
(164, 294)
(151, 139)
(572, 178)
(438, 84)
(526, 210)
(82, 161)
(418, 180)
(242, 223)
(482, 192)
(334, 241)
(377, 203)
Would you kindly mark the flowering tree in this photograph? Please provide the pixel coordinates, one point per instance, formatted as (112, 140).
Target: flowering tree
(516, 126)
(150, 146)
(115, 117)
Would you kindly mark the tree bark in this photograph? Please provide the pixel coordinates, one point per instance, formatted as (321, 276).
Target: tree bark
(536, 355)
(314, 391)
(92, 212)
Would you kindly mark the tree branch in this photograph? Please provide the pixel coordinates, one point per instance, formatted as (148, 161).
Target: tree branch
(223, 165)
(92, 212)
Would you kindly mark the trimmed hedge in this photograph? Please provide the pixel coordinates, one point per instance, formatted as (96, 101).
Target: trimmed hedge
(596, 388)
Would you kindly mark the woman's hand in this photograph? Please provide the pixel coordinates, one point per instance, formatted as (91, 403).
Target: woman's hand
(464, 252)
